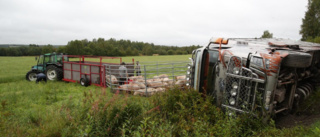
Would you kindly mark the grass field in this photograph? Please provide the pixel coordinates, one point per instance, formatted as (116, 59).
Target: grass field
(58, 108)
(33, 109)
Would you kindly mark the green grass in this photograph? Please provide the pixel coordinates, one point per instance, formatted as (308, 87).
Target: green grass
(34, 109)
(68, 109)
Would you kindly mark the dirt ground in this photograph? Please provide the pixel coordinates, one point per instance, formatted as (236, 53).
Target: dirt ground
(305, 117)
(306, 114)
(292, 120)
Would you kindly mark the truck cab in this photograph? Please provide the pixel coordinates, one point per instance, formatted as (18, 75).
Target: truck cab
(248, 75)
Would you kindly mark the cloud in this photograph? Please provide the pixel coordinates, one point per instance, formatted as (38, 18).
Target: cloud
(165, 22)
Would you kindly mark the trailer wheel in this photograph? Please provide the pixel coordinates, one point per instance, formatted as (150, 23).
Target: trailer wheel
(31, 75)
(84, 82)
(54, 73)
(297, 60)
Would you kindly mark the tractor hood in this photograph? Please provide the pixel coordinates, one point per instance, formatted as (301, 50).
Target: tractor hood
(37, 67)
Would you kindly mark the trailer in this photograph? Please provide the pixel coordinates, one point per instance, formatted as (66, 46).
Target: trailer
(154, 77)
(89, 70)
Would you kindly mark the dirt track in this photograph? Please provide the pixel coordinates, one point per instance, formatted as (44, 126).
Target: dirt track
(304, 117)
(292, 120)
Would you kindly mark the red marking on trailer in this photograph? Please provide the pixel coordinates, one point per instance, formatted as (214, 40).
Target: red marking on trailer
(274, 62)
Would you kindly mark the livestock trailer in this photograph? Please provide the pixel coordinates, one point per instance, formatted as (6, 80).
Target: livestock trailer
(154, 77)
(89, 70)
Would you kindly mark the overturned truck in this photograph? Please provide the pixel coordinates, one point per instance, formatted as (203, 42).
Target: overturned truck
(255, 75)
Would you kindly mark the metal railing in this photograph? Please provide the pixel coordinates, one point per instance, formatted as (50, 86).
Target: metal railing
(242, 86)
(153, 77)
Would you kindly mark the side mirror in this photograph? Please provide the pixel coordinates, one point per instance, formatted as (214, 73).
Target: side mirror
(191, 60)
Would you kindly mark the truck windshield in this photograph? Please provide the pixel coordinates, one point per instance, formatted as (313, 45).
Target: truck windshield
(40, 61)
(209, 61)
(197, 60)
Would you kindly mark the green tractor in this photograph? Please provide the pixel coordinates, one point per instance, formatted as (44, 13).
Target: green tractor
(50, 64)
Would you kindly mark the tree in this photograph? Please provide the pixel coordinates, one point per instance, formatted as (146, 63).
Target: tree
(3, 51)
(129, 51)
(47, 49)
(171, 52)
(75, 48)
(135, 52)
(310, 28)
(100, 47)
(267, 34)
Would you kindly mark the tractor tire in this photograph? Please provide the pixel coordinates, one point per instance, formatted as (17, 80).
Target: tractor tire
(31, 75)
(84, 82)
(54, 73)
(297, 60)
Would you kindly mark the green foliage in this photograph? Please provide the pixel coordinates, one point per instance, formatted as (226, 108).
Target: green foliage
(311, 105)
(101, 115)
(315, 40)
(31, 50)
(267, 34)
(310, 28)
(100, 47)
(113, 47)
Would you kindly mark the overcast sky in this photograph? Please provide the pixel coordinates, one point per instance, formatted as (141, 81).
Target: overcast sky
(162, 22)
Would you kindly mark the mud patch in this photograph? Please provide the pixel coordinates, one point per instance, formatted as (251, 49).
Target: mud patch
(291, 120)
(307, 114)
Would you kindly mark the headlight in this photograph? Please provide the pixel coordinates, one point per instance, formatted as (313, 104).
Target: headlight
(267, 63)
(236, 70)
(232, 101)
(233, 92)
(235, 85)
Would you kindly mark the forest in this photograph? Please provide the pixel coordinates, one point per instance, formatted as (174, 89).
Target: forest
(99, 47)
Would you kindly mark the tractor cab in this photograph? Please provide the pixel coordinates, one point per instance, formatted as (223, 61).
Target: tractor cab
(47, 59)
(50, 64)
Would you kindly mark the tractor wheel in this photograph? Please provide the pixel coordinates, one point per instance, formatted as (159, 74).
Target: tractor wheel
(54, 73)
(297, 60)
(31, 75)
(84, 82)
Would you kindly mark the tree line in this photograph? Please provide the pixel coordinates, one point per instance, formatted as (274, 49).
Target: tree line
(31, 50)
(99, 47)
(310, 28)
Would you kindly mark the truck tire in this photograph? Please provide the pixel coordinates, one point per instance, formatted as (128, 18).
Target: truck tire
(54, 73)
(31, 75)
(297, 60)
(84, 82)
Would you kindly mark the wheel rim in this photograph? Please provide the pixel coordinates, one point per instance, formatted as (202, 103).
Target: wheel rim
(32, 76)
(51, 74)
(82, 82)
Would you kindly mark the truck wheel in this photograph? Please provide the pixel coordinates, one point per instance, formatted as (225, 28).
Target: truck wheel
(84, 82)
(54, 73)
(31, 75)
(297, 60)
